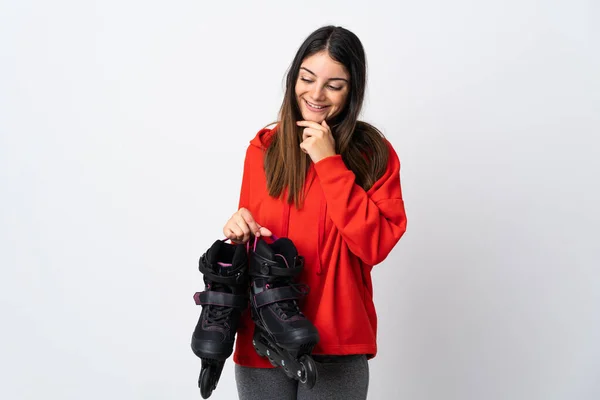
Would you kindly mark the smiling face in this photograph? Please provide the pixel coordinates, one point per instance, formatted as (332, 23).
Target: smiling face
(322, 87)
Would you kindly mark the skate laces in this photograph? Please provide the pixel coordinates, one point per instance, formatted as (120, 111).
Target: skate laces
(217, 315)
(288, 309)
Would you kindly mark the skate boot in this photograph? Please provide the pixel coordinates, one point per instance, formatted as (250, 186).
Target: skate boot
(225, 270)
(282, 333)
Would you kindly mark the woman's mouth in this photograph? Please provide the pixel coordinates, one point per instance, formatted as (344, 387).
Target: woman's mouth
(315, 107)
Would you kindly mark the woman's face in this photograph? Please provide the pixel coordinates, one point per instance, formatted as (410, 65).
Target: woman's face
(322, 87)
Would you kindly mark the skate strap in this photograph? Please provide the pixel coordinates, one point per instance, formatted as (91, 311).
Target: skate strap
(230, 280)
(273, 269)
(210, 297)
(274, 295)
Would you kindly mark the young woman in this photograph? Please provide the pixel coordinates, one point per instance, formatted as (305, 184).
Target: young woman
(331, 184)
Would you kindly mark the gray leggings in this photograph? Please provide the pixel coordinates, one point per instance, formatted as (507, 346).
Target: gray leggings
(339, 377)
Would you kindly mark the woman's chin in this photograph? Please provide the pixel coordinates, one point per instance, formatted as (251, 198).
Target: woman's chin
(313, 118)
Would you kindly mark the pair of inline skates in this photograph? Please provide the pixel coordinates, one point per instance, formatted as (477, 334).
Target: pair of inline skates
(262, 275)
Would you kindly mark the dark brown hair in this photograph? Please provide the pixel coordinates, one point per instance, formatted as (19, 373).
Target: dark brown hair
(360, 144)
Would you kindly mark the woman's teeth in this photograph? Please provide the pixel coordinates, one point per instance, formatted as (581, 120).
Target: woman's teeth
(315, 106)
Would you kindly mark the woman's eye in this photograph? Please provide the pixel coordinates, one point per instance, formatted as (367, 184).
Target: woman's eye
(329, 86)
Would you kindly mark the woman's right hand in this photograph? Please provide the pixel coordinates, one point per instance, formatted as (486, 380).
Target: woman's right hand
(242, 226)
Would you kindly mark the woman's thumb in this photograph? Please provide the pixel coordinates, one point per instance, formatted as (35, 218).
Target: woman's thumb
(265, 232)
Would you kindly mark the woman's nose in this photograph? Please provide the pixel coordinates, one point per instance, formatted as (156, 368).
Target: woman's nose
(317, 93)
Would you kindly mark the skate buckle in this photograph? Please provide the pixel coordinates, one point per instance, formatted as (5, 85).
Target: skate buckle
(264, 269)
(240, 277)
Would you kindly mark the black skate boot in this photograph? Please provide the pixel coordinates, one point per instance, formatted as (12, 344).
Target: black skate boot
(225, 270)
(282, 332)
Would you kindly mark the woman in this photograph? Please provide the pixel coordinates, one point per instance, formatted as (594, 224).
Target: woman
(331, 184)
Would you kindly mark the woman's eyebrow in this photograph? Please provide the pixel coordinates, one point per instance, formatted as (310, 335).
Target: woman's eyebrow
(331, 79)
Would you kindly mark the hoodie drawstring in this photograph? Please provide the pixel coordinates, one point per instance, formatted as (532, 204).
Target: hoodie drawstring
(285, 222)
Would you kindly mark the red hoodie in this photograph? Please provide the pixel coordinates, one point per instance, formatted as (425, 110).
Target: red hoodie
(348, 232)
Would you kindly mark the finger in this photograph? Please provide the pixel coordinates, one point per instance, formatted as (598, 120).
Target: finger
(304, 146)
(228, 233)
(239, 226)
(312, 124)
(257, 232)
(310, 132)
(235, 238)
(253, 226)
(265, 232)
(308, 141)
(241, 238)
(234, 232)
(243, 230)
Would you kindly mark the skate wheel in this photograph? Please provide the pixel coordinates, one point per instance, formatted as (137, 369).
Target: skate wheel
(308, 374)
(206, 381)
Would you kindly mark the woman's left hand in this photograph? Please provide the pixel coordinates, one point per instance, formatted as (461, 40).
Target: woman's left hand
(317, 140)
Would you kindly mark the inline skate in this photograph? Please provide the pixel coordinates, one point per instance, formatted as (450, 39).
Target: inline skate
(282, 333)
(225, 270)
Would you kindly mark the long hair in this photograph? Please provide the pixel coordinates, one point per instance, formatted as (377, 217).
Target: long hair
(360, 144)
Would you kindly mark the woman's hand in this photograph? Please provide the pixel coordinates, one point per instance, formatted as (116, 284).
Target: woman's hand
(317, 140)
(242, 226)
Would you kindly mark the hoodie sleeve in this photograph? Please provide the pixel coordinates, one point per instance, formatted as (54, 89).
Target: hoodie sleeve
(370, 222)
(244, 200)
(253, 161)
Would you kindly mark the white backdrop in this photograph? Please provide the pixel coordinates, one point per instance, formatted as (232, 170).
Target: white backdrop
(123, 129)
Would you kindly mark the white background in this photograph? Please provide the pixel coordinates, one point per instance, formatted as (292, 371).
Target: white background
(123, 129)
